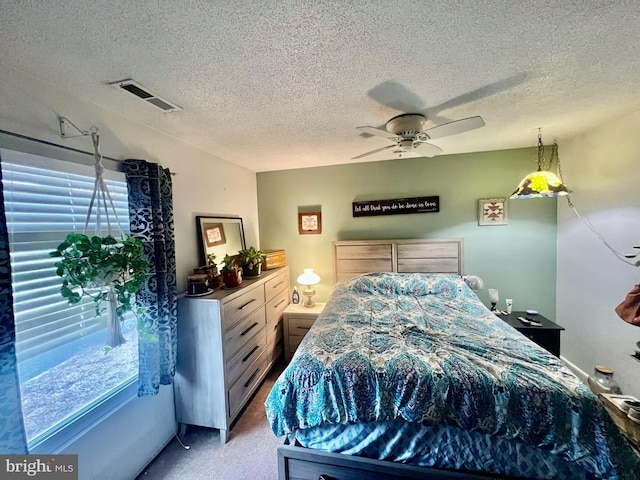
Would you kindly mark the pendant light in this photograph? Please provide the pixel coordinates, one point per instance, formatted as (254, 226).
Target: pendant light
(542, 182)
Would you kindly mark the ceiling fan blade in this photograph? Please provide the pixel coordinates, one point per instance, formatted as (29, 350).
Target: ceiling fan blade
(426, 149)
(479, 93)
(377, 131)
(373, 151)
(396, 96)
(455, 127)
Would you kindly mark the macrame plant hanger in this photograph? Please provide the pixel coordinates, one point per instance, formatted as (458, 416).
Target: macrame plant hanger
(100, 196)
(100, 193)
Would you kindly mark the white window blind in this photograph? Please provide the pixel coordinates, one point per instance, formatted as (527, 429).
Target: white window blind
(67, 381)
(44, 200)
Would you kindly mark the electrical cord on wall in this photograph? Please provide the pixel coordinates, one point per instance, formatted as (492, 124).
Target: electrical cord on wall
(623, 257)
(620, 256)
(175, 433)
(186, 447)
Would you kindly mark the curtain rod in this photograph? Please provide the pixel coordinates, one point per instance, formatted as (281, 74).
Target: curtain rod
(44, 142)
(51, 144)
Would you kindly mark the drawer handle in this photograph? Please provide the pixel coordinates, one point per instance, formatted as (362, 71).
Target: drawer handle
(279, 303)
(278, 284)
(248, 329)
(303, 328)
(246, 357)
(246, 304)
(251, 378)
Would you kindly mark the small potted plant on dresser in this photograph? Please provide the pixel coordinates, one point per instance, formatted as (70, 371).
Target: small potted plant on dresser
(251, 260)
(231, 272)
(211, 271)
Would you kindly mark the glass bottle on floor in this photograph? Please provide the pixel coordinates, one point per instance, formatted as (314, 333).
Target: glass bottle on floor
(602, 381)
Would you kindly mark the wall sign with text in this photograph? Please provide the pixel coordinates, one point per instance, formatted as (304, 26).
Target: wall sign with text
(398, 206)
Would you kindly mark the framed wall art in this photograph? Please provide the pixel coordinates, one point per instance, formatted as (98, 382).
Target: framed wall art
(309, 223)
(214, 235)
(492, 211)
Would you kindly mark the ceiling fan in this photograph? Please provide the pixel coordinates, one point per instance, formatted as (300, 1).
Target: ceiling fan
(407, 135)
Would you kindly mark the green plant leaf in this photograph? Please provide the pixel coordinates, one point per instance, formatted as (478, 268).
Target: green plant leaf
(85, 262)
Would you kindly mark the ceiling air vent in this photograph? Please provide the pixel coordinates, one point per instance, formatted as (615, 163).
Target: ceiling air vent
(141, 92)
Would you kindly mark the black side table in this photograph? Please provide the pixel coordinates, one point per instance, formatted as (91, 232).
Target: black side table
(547, 335)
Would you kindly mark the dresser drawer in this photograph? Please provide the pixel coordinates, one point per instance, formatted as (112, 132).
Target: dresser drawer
(547, 339)
(238, 308)
(294, 341)
(245, 356)
(276, 285)
(244, 385)
(300, 325)
(276, 306)
(274, 331)
(274, 350)
(243, 332)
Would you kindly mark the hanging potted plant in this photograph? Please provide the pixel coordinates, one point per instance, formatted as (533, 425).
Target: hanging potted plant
(251, 260)
(104, 269)
(231, 272)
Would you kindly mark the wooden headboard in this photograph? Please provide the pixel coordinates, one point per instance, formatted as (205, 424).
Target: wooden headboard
(354, 257)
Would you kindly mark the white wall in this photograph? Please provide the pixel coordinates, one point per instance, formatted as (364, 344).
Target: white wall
(203, 184)
(602, 169)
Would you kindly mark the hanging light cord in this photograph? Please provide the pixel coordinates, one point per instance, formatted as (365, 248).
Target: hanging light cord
(100, 191)
(587, 222)
(589, 225)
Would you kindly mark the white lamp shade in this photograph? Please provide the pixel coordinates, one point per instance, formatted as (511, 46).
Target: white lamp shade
(308, 277)
(493, 295)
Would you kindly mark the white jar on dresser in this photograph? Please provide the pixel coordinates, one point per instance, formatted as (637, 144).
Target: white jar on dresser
(227, 342)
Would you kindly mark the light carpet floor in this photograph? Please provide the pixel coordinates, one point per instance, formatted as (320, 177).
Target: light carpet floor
(249, 454)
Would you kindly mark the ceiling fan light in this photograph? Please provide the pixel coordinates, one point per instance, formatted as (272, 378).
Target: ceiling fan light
(405, 144)
(541, 183)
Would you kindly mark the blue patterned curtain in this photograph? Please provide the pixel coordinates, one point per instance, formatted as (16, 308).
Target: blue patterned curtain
(151, 219)
(13, 438)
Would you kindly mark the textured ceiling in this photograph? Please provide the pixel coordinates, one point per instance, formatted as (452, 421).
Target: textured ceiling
(273, 85)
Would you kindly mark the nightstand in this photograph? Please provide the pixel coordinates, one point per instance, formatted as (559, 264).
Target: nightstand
(297, 322)
(547, 335)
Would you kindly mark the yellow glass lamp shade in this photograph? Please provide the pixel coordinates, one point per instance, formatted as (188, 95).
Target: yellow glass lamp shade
(541, 183)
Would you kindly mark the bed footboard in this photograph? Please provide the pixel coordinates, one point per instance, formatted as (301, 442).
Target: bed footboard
(297, 463)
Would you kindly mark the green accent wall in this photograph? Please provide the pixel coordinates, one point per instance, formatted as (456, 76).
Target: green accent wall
(519, 259)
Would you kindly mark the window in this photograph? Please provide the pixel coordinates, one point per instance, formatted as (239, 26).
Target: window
(64, 368)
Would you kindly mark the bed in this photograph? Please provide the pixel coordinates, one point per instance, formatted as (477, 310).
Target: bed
(407, 374)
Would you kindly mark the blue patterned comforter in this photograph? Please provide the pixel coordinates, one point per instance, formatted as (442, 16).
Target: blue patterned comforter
(423, 349)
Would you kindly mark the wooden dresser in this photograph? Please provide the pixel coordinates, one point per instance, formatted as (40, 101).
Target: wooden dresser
(227, 342)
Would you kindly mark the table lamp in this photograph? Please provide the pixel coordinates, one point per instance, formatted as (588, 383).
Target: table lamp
(308, 279)
(493, 298)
